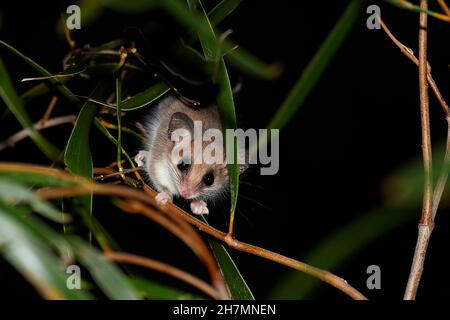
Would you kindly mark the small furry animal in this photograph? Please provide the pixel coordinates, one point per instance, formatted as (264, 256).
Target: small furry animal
(172, 176)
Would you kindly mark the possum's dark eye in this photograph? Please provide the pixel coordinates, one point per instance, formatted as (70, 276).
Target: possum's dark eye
(183, 166)
(208, 179)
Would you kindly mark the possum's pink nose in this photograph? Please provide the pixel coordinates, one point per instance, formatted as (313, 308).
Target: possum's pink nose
(185, 193)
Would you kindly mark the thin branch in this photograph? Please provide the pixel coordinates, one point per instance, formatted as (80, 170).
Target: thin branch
(163, 268)
(426, 222)
(444, 7)
(105, 173)
(84, 186)
(49, 110)
(409, 53)
(22, 134)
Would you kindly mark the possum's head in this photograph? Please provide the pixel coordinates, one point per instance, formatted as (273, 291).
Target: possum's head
(197, 174)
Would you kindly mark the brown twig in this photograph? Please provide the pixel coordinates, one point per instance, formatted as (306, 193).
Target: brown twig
(106, 173)
(84, 186)
(426, 222)
(49, 110)
(22, 134)
(163, 268)
(409, 53)
(444, 7)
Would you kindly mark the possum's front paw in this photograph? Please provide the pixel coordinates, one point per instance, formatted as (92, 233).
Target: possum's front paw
(199, 207)
(163, 197)
(140, 158)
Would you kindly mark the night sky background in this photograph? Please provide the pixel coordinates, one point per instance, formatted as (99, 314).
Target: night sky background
(360, 124)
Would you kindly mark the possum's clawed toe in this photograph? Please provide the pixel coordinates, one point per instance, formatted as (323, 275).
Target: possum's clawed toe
(163, 198)
(199, 207)
(140, 158)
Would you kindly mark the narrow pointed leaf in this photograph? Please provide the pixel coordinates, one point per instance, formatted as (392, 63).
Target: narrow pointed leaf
(222, 10)
(154, 290)
(106, 274)
(14, 104)
(60, 87)
(145, 97)
(236, 283)
(239, 289)
(33, 258)
(13, 192)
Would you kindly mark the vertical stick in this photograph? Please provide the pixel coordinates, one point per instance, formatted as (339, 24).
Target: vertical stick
(426, 221)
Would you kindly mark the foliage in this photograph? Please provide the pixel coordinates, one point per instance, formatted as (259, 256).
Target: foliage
(31, 236)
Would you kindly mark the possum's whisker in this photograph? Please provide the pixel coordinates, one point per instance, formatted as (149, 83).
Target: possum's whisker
(255, 201)
(253, 185)
(244, 215)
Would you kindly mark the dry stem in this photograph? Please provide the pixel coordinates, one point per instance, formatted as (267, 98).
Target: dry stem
(22, 134)
(444, 7)
(426, 222)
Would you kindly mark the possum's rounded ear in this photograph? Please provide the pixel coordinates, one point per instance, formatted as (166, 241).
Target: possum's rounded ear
(180, 127)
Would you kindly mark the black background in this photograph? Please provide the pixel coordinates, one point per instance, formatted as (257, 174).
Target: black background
(360, 123)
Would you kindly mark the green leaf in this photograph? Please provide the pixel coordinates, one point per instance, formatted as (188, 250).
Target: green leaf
(78, 154)
(248, 63)
(41, 230)
(38, 179)
(239, 289)
(188, 64)
(40, 89)
(311, 75)
(13, 192)
(153, 290)
(225, 103)
(119, 121)
(111, 138)
(208, 40)
(31, 178)
(69, 72)
(199, 23)
(60, 87)
(225, 100)
(33, 258)
(228, 116)
(106, 274)
(145, 97)
(13, 102)
(78, 157)
(222, 10)
(193, 21)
